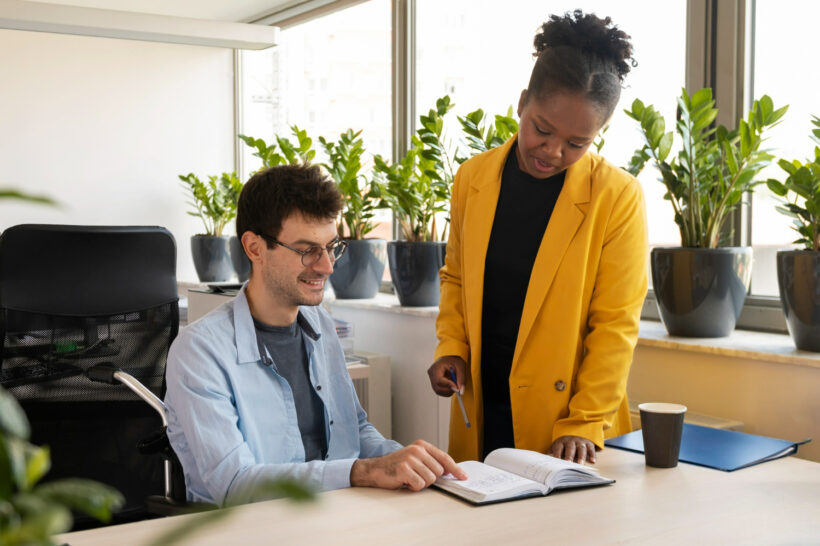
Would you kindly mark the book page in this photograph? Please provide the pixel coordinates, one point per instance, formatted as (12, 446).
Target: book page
(533, 465)
(486, 483)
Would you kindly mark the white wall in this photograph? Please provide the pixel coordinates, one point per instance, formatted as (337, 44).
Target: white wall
(104, 126)
(410, 342)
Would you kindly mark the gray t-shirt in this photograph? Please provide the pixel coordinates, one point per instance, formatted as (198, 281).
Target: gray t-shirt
(287, 348)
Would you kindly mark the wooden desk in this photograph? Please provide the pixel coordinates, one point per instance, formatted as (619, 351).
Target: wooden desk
(773, 503)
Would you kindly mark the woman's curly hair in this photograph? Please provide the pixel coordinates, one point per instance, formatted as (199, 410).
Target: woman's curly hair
(581, 53)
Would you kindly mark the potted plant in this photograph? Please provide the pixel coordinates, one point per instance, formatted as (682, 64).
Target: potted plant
(214, 202)
(701, 286)
(798, 271)
(417, 188)
(31, 513)
(359, 271)
(280, 152)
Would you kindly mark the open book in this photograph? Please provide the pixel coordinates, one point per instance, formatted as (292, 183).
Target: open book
(508, 474)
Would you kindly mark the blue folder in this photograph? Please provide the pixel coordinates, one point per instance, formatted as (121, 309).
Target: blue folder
(726, 450)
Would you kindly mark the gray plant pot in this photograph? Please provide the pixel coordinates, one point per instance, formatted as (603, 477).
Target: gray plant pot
(701, 291)
(359, 271)
(798, 276)
(240, 261)
(414, 268)
(211, 257)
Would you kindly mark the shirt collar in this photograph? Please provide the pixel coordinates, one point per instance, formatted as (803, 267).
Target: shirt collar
(247, 350)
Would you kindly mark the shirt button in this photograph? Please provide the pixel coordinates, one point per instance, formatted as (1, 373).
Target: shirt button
(318, 387)
(331, 421)
(560, 385)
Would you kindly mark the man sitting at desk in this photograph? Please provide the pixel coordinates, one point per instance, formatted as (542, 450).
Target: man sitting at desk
(258, 389)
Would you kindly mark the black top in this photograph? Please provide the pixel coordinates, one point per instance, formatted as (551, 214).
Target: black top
(287, 348)
(525, 204)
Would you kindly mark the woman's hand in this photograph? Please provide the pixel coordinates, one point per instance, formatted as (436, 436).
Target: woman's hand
(573, 448)
(440, 378)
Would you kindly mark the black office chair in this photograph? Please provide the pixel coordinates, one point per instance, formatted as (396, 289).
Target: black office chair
(100, 303)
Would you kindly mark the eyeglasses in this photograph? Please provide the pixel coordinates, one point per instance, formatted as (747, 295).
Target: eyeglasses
(313, 254)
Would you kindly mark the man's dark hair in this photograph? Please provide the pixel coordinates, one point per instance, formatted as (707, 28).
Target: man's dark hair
(581, 53)
(272, 195)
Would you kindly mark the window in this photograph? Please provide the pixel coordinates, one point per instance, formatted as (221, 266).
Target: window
(333, 72)
(463, 50)
(783, 41)
(328, 75)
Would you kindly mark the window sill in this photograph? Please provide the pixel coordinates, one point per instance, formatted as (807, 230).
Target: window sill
(740, 344)
(746, 344)
(388, 303)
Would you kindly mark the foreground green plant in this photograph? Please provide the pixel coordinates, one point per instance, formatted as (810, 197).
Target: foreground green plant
(32, 513)
(7, 193)
(361, 195)
(214, 202)
(714, 168)
(803, 183)
(417, 187)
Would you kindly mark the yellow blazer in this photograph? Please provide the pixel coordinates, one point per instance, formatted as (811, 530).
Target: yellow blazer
(579, 325)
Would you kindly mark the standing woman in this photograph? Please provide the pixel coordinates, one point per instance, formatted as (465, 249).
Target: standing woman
(545, 272)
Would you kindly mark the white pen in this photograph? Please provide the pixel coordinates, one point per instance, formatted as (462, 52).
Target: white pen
(460, 401)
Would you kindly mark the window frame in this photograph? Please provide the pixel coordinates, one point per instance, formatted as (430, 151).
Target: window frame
(720, 54)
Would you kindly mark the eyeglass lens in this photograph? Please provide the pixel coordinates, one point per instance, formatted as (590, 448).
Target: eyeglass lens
(314, 253)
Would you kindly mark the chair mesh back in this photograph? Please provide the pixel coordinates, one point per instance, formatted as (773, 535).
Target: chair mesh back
(135, 342)
(75, 296)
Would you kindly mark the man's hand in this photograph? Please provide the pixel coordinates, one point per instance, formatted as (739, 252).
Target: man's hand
(416, 467)
(440, 379)
(573, 448)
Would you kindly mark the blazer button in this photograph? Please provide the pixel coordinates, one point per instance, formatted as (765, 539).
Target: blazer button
(560, 385)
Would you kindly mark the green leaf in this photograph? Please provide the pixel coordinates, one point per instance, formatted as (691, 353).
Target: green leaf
(38, 464)
(13, 420)
(16, 450)
(766, 108)
(788, 166)
(655, 132)
(705, 120)
(775, 117)
(95, 499)
(37, 520)
(664, 146)
(636, 112)
(745, 139)
(20, 196)
(776, 187)
(701, 97)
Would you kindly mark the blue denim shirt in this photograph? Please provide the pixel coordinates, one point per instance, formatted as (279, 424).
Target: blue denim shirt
(232, 420)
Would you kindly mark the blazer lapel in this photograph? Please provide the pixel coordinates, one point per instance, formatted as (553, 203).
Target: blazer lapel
(565, 220)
